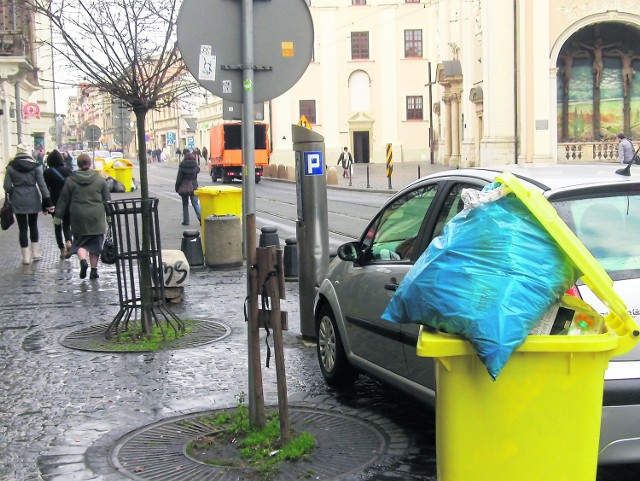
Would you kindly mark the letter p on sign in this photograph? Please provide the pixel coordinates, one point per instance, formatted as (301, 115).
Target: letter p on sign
(313, 164)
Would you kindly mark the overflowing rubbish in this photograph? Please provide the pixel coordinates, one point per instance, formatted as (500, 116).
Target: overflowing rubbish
(491, 275)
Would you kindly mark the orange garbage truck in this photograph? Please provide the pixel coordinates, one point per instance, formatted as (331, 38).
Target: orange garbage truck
(225, 161)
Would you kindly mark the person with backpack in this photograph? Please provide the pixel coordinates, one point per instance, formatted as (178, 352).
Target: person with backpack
(346, 160)
(55, 177)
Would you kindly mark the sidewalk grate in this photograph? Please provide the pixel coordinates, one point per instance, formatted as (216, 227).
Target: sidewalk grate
(344, 445)
(92, 338)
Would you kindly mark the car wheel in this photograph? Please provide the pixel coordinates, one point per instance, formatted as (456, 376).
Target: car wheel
(214, 178)
(333, 361)
(258, 179)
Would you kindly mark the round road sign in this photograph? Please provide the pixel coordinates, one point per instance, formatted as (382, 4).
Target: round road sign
(210, 41)
(92, 132)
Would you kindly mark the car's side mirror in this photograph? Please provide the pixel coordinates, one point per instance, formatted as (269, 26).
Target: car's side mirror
(351, 251)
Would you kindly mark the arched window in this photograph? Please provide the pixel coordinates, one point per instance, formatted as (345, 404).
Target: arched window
(359, 91)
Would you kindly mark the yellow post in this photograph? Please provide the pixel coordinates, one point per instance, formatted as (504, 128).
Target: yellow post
(389, 164)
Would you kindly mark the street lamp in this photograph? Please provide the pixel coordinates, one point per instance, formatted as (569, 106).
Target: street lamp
(430, 85)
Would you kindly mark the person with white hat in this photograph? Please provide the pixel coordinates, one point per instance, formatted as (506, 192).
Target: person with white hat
(25, 185)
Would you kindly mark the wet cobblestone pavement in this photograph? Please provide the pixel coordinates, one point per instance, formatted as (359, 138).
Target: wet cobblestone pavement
(63, 409)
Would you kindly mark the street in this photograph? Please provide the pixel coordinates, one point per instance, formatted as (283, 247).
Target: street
(62, 410)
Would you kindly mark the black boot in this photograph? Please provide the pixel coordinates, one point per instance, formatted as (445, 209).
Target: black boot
(94, 273)
(84, 265)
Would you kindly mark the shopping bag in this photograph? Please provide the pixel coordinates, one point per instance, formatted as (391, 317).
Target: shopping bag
(6, 213)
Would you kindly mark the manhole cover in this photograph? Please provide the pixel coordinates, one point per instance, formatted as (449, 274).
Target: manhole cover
(92, 338)
(344, 445)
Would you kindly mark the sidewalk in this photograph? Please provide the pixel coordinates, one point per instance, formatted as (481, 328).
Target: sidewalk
(62, 410)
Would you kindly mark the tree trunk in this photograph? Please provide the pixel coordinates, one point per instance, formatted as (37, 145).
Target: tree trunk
(144, 261)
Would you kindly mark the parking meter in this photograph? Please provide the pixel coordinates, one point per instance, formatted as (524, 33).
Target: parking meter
(312, 226)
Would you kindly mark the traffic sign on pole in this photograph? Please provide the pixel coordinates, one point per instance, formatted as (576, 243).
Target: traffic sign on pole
(210, 42)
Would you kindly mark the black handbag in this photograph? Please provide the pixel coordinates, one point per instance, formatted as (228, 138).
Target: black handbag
(6, 213)
(109, 249)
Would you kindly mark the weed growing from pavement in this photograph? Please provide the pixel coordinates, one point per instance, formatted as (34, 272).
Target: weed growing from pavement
(134, 341)
(233, 443)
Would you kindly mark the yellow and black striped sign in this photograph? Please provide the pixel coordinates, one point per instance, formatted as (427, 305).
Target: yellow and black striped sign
(303, 122)
(389, 160)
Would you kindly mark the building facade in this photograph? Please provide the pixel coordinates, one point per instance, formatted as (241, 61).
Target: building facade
(27, 106)
(499, 73)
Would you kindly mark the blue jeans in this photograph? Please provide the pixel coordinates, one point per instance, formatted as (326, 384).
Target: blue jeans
(185, 207)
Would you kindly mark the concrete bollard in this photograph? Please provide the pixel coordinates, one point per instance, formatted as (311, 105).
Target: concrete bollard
(290, 259)
(282, 172)
(192, 247)
(269, 237)
(273, 171)
(291, 172)
(223, 241)
(175, 272)
(332, 176)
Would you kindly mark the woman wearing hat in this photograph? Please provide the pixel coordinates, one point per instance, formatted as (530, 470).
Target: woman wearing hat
(55, 177)
(29, 195)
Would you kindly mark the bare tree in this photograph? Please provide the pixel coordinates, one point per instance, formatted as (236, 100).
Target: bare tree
(125, 48)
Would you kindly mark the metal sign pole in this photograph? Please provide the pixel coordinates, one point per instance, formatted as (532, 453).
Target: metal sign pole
(256, 395)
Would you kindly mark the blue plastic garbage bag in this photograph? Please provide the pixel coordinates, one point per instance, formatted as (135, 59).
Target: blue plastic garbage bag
(489, 277)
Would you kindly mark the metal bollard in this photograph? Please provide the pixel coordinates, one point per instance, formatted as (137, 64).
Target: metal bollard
(269, 237)
(192, 247)
(291, 259)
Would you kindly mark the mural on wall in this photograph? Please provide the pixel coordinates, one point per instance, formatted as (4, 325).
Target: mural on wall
(598, 85)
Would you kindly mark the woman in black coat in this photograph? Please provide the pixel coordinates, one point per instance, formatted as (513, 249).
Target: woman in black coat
(55, 177)
(25, 185)
(186, 184)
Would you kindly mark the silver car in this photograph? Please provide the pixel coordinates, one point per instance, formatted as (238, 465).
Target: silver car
(602, 209)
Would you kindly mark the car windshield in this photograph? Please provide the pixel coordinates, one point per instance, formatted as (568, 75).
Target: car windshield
(609, 226)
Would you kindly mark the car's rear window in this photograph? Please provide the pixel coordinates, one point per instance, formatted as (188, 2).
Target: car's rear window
(609, 226)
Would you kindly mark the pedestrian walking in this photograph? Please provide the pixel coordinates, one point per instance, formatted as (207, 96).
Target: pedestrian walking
(625, 149)
(346, 160)
(84, 196)
(197, 153)
(68, 160)
(25, 185)
(55, 177)
(186, 184)
(205, 154)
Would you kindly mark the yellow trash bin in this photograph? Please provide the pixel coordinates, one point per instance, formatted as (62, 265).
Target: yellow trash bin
(540, 419)
(218, 200)
(107, 169)
(123, 172)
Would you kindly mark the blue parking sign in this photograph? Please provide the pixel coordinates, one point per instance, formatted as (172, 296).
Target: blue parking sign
(313, 163)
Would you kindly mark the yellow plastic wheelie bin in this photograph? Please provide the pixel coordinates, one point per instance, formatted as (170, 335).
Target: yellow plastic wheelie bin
(123, 172)
(108, 169)
(540, 419)
(218, 200)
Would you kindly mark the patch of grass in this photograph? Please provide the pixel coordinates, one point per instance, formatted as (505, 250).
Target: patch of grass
(235, 444)
(133, 340)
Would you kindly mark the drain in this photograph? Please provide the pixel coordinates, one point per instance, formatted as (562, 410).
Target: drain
(344, 445)
(92, 338)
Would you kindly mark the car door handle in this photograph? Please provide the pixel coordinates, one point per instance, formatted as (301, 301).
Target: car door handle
(392, 285)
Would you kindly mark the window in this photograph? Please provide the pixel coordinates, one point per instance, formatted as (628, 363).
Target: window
(452, 206)
(414, 107)
(358, 2)
(308, 109)
(413, 44)
(397, 228)
(359, 45)
(411, 1)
